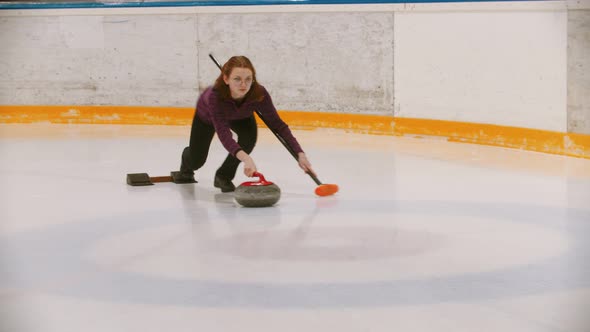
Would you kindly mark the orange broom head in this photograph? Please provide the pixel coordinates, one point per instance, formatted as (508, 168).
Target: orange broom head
(326, 189)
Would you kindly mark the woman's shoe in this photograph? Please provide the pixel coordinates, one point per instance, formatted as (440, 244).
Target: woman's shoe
(183, 177)
(224, 184)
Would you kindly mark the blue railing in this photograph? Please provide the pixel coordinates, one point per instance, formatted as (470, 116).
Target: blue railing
(177, 3)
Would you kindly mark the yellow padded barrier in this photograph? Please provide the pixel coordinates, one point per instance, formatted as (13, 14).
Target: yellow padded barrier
(569, 144)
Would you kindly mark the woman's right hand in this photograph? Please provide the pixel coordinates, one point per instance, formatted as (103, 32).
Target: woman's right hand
(249, 166)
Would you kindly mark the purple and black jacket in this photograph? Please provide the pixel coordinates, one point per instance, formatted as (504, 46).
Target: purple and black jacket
(218, 112)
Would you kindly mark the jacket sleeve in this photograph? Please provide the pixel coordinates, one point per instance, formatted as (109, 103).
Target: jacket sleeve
(272, 118)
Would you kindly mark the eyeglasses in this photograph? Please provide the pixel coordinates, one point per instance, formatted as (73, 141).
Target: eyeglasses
(238, 80)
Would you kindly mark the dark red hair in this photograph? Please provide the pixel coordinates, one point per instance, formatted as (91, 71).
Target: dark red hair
(256, 91)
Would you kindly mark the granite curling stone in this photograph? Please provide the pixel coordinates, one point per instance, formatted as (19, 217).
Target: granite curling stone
(259, 193)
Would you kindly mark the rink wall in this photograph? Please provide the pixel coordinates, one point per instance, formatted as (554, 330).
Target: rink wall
(511, 74)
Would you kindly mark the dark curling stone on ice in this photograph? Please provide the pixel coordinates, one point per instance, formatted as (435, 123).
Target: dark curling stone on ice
(259, 193)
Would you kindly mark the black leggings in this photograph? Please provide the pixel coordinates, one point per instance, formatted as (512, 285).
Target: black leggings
(195, 155)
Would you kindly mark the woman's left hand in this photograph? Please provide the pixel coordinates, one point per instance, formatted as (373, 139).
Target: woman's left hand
(304, 163)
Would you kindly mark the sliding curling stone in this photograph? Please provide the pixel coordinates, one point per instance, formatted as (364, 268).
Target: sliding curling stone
(259, 193)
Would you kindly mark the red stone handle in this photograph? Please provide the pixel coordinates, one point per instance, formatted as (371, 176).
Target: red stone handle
(261, 181)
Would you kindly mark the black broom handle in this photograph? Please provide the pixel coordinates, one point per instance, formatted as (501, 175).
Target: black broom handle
(279, 137)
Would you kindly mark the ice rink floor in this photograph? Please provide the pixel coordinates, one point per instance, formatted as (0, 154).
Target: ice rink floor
(424, 235)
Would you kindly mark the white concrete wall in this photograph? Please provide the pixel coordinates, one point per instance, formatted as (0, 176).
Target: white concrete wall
(503, 63)
(333, 62)
(579, 70)
(504, 67)
(98, 60)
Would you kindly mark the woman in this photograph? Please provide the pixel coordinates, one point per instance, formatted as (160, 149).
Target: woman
(227, 106)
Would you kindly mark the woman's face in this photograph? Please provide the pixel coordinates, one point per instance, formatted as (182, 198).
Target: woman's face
(239, 82)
